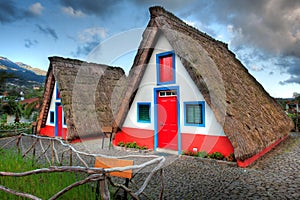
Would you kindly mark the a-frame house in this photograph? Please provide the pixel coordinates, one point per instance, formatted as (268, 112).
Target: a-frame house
(77, 100)
(188, 91)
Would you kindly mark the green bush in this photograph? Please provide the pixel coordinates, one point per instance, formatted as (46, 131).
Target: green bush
(132, 145)
(216, 155)
(201, 154)
(121, 144)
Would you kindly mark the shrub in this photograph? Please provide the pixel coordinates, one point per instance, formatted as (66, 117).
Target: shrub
(231, 158)
(132, 145)
(201, 154)
(121, 144)
(216, 155)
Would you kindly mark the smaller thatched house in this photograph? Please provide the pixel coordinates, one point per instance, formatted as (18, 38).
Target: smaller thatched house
(77, 99)
(188, 92)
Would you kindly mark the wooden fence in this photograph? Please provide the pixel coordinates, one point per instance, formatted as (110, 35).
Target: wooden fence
(46, 149)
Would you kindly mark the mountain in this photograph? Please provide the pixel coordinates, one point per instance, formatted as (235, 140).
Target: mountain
(26, 76)
(35, 70)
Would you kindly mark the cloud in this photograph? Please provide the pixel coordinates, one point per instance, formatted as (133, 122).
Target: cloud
(92, 34)
(29, 43)
(47, 31)
(8, 12)
(88, 39)
(100, 8)
(270, 28)
(256, 68)
(85, 49)
(168, 4)
(36, 8)
(71, 12)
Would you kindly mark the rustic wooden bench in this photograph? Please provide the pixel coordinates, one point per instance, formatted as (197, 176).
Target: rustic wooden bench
(101, 162)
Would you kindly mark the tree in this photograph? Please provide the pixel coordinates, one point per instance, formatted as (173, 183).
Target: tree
(3, 77)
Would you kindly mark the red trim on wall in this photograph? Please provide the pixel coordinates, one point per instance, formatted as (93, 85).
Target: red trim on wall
(50, 132)
(249, 161)
(142, 137)
(207, 143)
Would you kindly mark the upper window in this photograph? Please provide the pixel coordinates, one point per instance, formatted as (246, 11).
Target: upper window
(57, 92)
(143, 111)
(52, 117)
(194, 113)
(165, 68)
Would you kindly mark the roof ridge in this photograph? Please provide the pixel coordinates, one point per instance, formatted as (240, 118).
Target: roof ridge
(157, 11)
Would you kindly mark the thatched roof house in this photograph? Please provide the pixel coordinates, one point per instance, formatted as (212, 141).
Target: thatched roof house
(251, 119)
(84, 92)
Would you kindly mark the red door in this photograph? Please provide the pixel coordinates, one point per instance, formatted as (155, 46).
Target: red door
(167, 120)
(59, 121)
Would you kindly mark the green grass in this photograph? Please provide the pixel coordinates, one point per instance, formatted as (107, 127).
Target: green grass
(41, 185)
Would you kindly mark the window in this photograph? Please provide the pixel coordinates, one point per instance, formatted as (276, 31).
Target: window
(65, 121)
(195, 113)
(168, 93)
(143, 112)
(57, 92)
(52, 117)
(165, 68)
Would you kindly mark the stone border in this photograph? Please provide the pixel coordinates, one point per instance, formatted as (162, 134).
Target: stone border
(209, 160)
(132, 149)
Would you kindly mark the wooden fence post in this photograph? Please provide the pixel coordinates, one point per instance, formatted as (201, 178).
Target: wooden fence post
(105, 195)
(53, 156)
(71, 160)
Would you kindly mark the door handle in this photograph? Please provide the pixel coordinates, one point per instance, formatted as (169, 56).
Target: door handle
(161, 123)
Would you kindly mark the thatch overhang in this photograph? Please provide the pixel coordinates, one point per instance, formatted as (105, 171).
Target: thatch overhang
(86, 91)
(251, 118)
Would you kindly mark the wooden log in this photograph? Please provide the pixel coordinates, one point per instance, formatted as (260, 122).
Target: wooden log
(104, 191)
(20, 194)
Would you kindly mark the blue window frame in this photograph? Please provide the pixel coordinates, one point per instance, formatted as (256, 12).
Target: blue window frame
(165, 71)
(64, 118)
(52, 117)
(143, 112)
(194, 113)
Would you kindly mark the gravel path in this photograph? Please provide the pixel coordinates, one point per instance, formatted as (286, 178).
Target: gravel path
(276, 176)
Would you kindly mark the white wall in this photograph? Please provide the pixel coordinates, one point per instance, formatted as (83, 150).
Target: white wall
(52, 108)
(188, 91)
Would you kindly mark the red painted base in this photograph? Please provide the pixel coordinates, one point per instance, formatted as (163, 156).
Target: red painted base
(249, 161)
(142, 137)
(50, 132)
(206, 143)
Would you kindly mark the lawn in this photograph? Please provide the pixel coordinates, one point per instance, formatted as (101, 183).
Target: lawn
(41, 185)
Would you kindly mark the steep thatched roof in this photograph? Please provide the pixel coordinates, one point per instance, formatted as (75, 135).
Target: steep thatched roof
(86, 90)
(251, 119)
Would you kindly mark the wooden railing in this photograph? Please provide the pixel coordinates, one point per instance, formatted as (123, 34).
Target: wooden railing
(47, 149)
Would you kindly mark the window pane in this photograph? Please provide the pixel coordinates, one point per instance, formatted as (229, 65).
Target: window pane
(194, 113)
(190, 114)
(51, 117)
(144, 112)
(166, 71)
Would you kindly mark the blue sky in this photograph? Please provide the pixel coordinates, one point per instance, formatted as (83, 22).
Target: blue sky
(265, 35)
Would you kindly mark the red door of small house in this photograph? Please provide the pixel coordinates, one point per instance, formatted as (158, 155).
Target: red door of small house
(167, 120)
(59, 124)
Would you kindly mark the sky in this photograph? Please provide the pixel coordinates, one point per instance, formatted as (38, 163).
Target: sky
(264, 34)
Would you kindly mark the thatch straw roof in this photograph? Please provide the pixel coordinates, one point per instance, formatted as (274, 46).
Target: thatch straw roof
(251, 119)
(86, 90)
